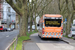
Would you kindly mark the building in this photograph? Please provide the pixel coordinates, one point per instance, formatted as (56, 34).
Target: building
(9, 16)
(1, 8)
(17, 21)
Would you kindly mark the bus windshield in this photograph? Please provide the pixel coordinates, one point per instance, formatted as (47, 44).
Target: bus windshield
(52, 22)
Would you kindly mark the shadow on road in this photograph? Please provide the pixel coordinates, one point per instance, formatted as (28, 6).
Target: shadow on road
(51, 39)
(37, 39)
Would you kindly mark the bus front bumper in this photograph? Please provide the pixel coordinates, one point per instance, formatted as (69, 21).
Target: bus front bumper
(51, 36)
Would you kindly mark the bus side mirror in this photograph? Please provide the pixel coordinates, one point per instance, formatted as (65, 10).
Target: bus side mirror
(37, 24)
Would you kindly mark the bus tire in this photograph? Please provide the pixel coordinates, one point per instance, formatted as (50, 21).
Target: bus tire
(74, 38)
(57, 39)
(42, 38)
(39, 35)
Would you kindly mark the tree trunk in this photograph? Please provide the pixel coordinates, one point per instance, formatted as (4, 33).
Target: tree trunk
(69, 24)
(35, 23)
(27, 24)
(20, 24)
(31, 22)
(23, 26)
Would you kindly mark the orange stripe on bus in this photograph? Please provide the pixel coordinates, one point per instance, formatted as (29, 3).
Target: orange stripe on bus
(44, 36)
(51, 33)
(47, 36)
(55, 34)
(45, 33)
(58, 33)
(57, 37)
(43, 20)
(50, 36)
(53, 37)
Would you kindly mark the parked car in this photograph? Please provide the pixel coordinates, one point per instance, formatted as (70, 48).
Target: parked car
(72, 33)
(12, 29)
(28, 27)
(4, 29)
(9, 29)
(73, 25)
(33, 27)
(1, 28)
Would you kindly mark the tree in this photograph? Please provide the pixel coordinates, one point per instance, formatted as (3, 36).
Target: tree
(67, 9)
(26, 10)
(20, 6)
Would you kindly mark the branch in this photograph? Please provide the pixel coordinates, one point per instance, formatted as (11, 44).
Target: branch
(62, 11)
(15, 7)
(44, 7)
(73, 5)
(67, 6)
(59, 4)
(73, 11)
(39, 4)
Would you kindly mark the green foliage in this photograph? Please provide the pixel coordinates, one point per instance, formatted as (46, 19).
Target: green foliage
(68, 37)
(28, 34)
(20, 40)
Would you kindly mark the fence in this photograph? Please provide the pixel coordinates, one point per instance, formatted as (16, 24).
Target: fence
(13, 45)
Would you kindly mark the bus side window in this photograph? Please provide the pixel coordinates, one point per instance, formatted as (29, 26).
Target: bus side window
(41, 26)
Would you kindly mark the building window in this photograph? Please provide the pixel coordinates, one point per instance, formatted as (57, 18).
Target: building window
(0, 6)
(0, 0)
(0, 15)
(8, 9)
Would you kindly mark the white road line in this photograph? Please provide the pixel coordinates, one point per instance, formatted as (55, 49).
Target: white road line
(7, 36)
(50, 46)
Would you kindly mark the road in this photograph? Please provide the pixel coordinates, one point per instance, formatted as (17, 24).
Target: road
(46, 44)
(37, 39)
(6, 38)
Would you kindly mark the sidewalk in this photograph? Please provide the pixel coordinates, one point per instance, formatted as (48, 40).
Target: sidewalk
(30, 46)
(69, 41)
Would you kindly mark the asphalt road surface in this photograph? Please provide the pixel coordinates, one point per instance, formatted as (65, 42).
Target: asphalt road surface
(46, 44)
(6, 38)
(37, 39)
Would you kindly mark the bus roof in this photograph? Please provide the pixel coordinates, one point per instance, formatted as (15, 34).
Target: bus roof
(52, 15)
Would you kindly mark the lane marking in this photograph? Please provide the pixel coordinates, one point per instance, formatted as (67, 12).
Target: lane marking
(54, 46)
(7, 36)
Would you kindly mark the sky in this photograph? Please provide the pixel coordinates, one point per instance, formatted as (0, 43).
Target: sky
(30, 0)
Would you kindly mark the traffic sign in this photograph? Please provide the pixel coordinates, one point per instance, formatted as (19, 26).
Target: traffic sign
(65, 19)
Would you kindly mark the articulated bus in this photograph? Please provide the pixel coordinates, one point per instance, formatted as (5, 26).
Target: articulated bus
(51, 26)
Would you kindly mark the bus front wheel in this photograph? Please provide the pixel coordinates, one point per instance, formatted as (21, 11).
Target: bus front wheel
(39, 35)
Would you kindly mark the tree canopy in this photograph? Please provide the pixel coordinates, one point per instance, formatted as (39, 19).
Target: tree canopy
(27, 9)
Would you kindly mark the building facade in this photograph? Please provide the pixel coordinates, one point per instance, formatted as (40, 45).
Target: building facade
(1, 11)
(9, 16)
